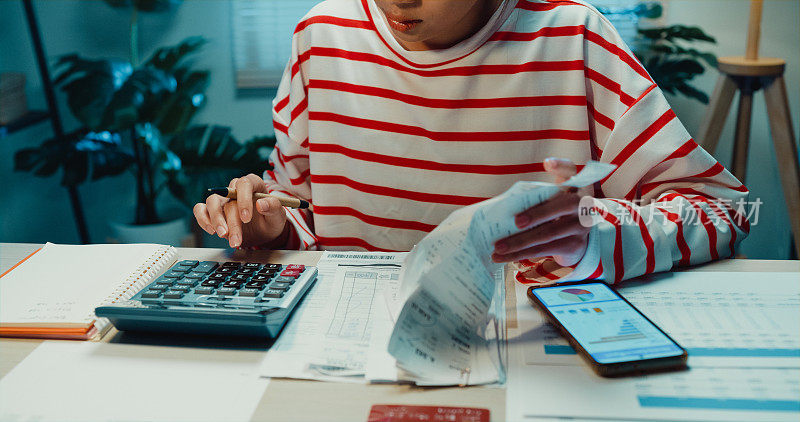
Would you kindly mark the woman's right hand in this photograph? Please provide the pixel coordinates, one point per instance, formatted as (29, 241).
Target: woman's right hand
(243, 222)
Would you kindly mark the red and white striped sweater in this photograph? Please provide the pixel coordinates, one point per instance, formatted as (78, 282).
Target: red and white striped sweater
(385, 143)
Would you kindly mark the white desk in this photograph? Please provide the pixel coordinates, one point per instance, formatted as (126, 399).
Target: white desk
(309, 400)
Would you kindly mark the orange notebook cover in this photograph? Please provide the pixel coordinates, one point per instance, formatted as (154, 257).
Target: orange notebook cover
(52, 293)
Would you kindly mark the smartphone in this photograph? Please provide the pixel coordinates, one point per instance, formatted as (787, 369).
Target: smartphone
(606, 330)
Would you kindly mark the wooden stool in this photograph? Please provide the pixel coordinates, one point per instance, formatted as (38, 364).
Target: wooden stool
(749, 74)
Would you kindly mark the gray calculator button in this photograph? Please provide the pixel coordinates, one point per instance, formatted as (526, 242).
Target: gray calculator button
(174, 274)
(150, 295)
(204, 290)
(180, 269)
(187, 282)
(284, 279)
(206, 266)
(280, 286)
(196, 274)
(248, 292)
(173, 295)
(179, 289)
(158, 287)
(188, 263)
(273, 294)
(226, 291)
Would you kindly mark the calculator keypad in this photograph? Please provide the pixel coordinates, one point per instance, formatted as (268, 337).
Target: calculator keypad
(193, 282)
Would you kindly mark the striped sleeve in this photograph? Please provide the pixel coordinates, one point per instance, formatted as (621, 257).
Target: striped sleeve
(668, 203)
(290, 158)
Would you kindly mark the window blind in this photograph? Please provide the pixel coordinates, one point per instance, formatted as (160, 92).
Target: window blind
(262, 39)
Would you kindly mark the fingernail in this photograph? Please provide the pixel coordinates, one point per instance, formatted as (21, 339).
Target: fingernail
(245, 215)
(261, 206)
(209, 229)
(221, 230)
(235, 241)
(523, 220)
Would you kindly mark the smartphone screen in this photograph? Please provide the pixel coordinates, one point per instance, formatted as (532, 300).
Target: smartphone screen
(608, 328)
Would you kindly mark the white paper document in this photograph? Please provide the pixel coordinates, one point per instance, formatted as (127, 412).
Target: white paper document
(722, 319)
(80, 381)
(742, 333)
(447, 330)
(702, 394)
(330, 335)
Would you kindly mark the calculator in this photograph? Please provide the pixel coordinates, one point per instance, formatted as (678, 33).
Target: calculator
(219, 298)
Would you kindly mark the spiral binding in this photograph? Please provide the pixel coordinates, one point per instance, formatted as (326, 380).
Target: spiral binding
(144, 274)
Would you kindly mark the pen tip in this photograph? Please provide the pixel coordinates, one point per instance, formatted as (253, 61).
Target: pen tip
(303, 204)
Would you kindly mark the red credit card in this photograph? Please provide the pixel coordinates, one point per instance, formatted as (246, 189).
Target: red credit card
(408, 413)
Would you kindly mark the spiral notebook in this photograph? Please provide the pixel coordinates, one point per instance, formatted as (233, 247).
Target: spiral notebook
(53, 292)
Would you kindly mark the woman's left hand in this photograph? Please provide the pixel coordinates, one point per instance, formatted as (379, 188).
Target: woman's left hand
(551, 228)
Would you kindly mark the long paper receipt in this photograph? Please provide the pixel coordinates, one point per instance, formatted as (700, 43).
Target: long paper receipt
(448, 283)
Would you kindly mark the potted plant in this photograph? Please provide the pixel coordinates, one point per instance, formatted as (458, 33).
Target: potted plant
(664, 51)
(136, 116)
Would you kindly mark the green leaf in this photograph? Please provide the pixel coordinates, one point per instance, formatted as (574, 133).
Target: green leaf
(692, 92)
(210, 156)
(107, 157)
(167, 58)
(80, 155)
(136, 98)
(649, 10)
(90, 85)
(35, 161)
(663, 48)
(177, 110)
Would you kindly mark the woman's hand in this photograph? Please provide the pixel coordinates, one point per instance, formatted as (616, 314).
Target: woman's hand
(551, 228)
(237, 221)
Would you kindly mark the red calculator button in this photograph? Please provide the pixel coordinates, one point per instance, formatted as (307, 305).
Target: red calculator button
(291, 273)
(296, 267)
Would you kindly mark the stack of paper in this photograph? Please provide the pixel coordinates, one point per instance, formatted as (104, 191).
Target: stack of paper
(53, 292)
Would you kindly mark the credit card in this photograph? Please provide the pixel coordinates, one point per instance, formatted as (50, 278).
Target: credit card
(410, 413)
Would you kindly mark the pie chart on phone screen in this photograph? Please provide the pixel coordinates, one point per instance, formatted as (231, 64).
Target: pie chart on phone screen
(576, 295)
